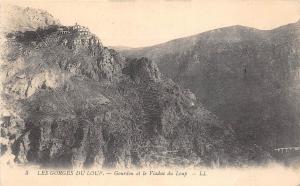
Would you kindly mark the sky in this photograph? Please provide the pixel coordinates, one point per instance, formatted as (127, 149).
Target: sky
(137, 23)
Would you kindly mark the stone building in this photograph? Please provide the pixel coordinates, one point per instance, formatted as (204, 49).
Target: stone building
(63, 31)
(81, 30)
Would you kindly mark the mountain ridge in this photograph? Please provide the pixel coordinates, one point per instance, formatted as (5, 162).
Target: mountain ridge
(190, 37)
(124, 48)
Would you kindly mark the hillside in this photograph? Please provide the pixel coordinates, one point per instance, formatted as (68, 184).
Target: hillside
(69, 101)
(247, 77)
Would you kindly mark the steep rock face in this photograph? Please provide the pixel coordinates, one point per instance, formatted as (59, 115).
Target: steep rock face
(73, 102)
(248, 77)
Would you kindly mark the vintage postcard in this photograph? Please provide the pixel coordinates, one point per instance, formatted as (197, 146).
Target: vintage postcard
(162, 92)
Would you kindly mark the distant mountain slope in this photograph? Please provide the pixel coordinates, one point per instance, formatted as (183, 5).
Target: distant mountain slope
(246, 76)
(73, 102)
(227, 34)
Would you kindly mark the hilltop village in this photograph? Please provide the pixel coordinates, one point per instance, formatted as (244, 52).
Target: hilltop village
(81, 35)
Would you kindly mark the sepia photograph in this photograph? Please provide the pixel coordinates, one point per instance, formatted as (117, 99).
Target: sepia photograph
(162, 92)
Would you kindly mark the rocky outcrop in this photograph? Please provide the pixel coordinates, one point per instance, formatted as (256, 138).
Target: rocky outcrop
(16, 18)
